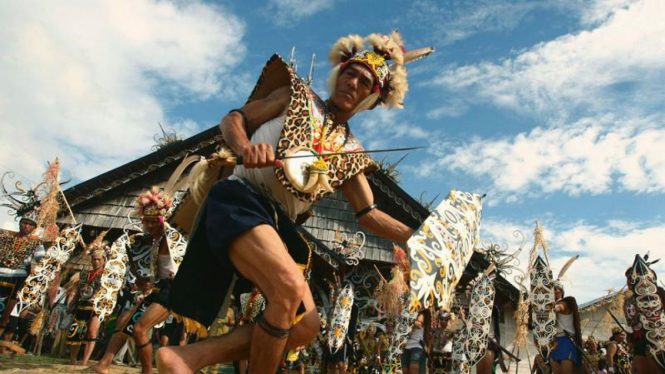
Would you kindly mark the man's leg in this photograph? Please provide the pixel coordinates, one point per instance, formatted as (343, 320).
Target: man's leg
(260, 255)
(120, 356)
(93, 328)
(155, 314)
(233, 346)
(73, 353)
(117, 341)
(566, 367)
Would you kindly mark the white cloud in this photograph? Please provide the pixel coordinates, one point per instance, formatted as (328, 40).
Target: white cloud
(288, 12)
(454, 21)
(382, 128)
(589, 156)
(617, 67)
(598, 11)
(605, 251)
(598, 97)
(87, 81)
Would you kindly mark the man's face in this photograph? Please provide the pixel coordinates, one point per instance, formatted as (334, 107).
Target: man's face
(97, 262)
(26, 227)
(558, 293)
(354, 84)
(153, 225)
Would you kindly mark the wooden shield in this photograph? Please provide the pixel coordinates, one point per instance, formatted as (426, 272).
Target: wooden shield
(403, 325)
(113, 278)
(479, 319)
(339, 322)
(470, 343)
(441, 248)
(650, 308)
(40, 278)
(542, 307)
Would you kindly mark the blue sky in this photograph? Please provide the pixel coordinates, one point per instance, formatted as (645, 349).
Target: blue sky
(553, 108)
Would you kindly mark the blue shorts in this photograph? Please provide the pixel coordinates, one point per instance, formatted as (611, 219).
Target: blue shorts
(206, 272)
(415, 356)
(565, 350)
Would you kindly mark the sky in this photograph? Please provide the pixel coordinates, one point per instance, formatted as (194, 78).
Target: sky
(552, 108)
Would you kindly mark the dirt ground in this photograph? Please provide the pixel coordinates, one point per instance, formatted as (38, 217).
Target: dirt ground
(47, 365)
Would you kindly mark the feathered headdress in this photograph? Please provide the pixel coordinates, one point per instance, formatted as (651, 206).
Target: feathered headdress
(22, 203)
(153, 203)
(38, 205)
(374, 52)
(558, 282)
(99, 247)
(156, 203)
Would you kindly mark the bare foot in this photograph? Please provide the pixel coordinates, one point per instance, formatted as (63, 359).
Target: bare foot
(169, 362)
(99, 369)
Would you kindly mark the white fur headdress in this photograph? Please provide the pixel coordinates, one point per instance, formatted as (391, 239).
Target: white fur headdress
(374, 52)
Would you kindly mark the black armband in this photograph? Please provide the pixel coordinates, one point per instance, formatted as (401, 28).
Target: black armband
(366, 210)
(244, 119)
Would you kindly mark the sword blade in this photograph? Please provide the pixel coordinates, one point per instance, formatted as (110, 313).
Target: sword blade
(239, 160)
(356, 152)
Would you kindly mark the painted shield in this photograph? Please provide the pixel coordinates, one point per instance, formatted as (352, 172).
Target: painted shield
(339, 322)
(470, 343)
(113, 278)
(403, 325)
(442, 247)
(40, 278)
(649, 307)
(480, 317)
(542, 307)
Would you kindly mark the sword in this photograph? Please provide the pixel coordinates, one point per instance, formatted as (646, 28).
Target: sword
(237, 160)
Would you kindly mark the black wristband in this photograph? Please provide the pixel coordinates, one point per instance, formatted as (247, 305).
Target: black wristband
(366, 210)
(244, 119)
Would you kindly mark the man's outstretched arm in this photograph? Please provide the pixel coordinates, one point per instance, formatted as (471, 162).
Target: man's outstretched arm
(360, 196)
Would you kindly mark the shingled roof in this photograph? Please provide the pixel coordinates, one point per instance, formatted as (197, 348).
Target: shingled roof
(107, 200)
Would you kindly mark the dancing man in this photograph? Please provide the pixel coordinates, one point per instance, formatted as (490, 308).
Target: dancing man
(86, 323)
(247, 223)
(154, 255)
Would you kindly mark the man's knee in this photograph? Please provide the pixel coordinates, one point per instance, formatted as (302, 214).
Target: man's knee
(140, 332)
(289, 290)
(306, 330)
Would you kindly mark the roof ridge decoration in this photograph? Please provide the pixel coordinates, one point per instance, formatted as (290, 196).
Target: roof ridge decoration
(394, 196)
